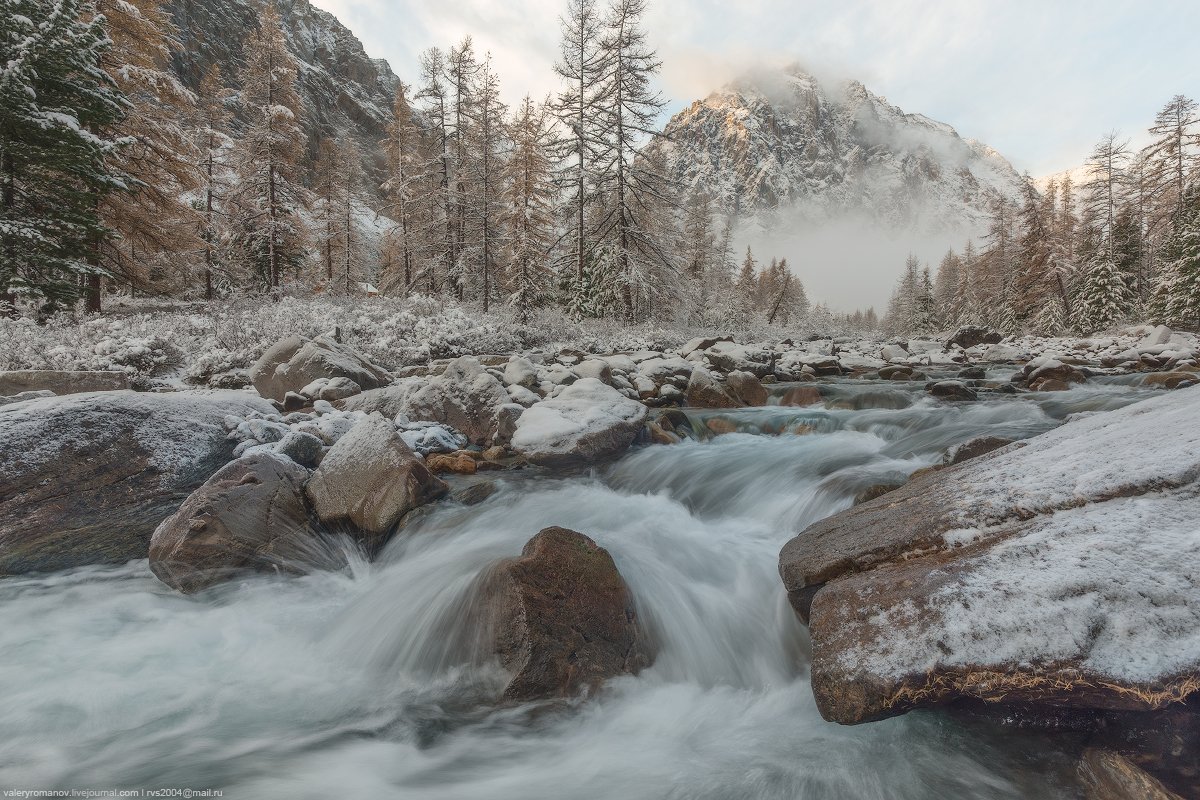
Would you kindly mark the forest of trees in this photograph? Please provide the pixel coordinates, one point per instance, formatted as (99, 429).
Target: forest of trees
(115, 177)
(1122, 246)
(118, 178)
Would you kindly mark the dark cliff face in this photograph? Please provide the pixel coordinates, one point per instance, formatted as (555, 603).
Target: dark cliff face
(785, 148)
(344, 91)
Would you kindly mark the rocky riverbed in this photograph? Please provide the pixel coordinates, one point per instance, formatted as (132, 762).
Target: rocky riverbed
(536, 573)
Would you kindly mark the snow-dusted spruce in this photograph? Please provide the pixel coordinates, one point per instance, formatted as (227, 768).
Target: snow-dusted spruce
(1057, 571)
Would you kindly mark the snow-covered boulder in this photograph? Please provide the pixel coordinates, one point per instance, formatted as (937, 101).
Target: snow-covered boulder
(371, 479)
(1002, 353)
(588, 421)
(86, 478)
(249, 517)
(293, 363)
(1159, 336)
(520, 371)
(893, 352)
(728, 357)
(465, 397)
(1057, 575)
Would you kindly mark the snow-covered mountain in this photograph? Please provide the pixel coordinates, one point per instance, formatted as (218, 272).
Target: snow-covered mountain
(786, 150)
(344, 91)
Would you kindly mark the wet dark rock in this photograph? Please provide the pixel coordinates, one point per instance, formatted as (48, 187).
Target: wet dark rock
(972, 373)
(972, 336)
(249, 517)
(802, 396)
(746, 388)
(896, 372)
(560, 617)
(86, 478)
(951, 390)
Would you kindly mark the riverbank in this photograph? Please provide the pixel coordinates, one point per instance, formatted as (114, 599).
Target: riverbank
(360, 679)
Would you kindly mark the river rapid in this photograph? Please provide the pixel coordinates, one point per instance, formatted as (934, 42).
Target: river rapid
(366, 684)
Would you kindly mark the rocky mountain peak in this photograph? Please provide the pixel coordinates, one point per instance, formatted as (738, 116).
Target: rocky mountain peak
(786, 147)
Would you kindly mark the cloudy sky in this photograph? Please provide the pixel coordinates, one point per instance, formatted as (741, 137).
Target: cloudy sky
(1039, 80)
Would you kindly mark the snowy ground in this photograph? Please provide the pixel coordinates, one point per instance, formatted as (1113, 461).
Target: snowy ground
(195, 341)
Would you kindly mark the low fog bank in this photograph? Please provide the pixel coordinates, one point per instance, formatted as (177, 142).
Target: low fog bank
(849, 262)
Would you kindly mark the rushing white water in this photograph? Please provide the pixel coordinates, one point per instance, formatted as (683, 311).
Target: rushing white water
(367, 684)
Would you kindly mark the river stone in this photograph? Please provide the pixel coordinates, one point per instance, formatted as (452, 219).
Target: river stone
(86, 478)
(465, 397)
(62, 381)
(371, 478)
(973, 336)
(1056, 575)
(952, 390)
(705, 391)
(249, 517)
(560, 618)
(1110, 776)
(746, 388)
(802, 396)
(293, 363)
(587, 422)
(981, 445)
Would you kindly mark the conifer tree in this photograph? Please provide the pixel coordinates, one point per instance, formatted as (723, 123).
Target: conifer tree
(339, 183)
(1104, 293)
(54, 168)
(436, 109)
(461, 68)
(483, 172)
(213, 146)
(1177, 295)
(155, 229)
(581, 66)
(408, 191)
(529, 209)
(1172, 152)
(746, 286)
(269, 193)
(632, 182)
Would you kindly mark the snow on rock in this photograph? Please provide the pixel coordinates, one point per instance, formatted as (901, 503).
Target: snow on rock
(294, 363)
(371, 478)
(588, 421)
(1056, 572)
(466, 397)
(85, 479)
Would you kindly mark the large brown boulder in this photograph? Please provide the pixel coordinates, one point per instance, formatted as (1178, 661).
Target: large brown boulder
(293, 363)
(1056, 575)
(371, 479)
(587, 422)
(249, 517)
(748, 389)
(561, 618)
(466, 397)
(705, 391)
(86, 478)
